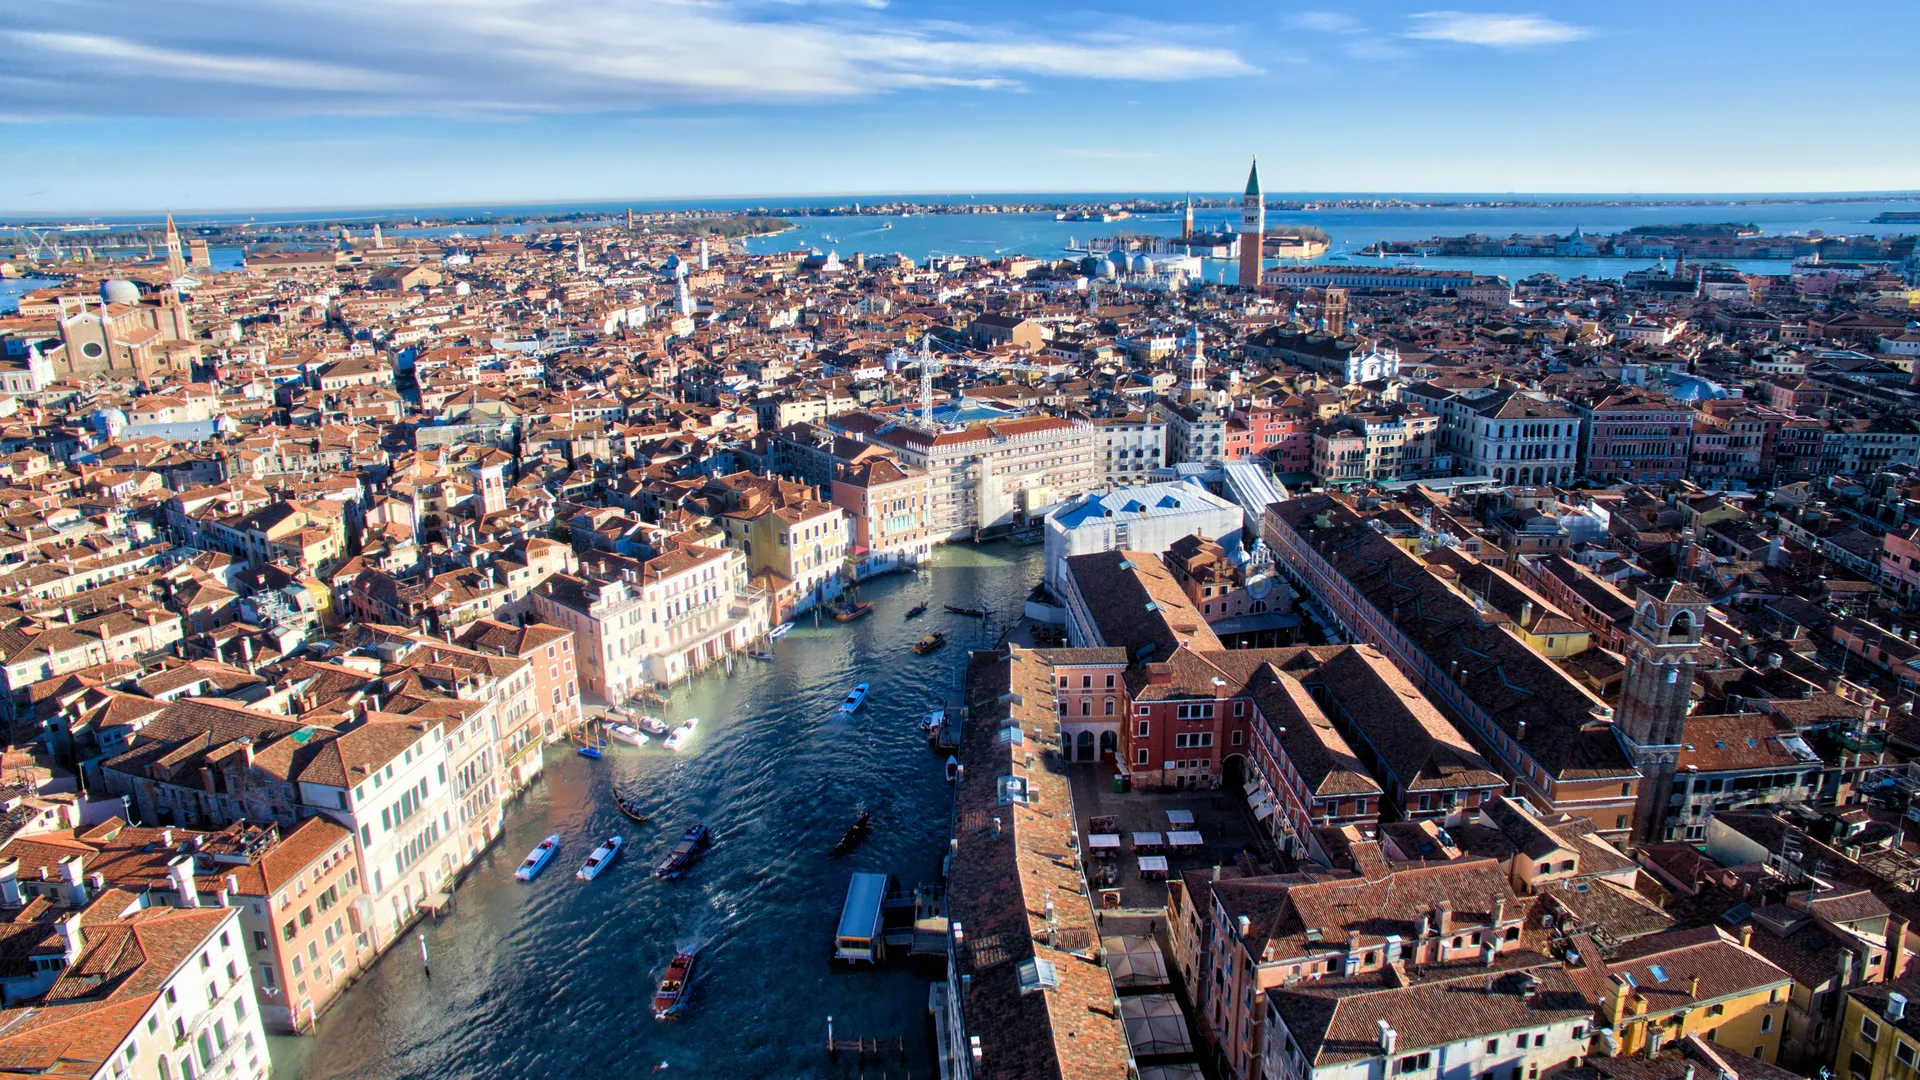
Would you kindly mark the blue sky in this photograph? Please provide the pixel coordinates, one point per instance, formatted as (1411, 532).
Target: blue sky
(232, 104)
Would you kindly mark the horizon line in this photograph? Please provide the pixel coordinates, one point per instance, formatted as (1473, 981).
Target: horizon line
(1733, 198)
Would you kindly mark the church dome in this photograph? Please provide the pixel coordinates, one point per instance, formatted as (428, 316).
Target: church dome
(119, 291)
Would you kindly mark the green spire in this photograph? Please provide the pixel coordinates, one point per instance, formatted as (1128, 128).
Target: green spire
(1253, 177)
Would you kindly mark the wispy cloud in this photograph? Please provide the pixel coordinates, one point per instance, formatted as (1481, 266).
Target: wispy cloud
(469, 57)
(1324, 22)
(1494, 30)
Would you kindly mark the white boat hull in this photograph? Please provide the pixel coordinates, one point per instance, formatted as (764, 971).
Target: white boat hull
(536, 860)
(598, 861)
(626, 733)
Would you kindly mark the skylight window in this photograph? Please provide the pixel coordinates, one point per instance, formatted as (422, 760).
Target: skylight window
(1038, 974)
(1659, 973)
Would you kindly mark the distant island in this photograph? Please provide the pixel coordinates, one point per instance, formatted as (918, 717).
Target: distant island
(1721, 240)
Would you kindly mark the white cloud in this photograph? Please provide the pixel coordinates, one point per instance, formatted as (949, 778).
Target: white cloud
(252, 70)
(468, 57)
(1324, 22)
(1494, 30)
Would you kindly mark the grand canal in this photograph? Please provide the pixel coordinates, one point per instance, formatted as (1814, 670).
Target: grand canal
(554, 978)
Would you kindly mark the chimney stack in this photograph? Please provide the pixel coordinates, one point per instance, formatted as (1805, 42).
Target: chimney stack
(1389, 1038)
(1896, 1006)
(1746, 936)
(1443, 918)
(180, 870)
(1693, 986)
(10, 883)
(1896, 948)
(74, 880)
(72, 939)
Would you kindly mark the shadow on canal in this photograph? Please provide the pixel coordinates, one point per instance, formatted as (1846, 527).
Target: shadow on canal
(556, 977)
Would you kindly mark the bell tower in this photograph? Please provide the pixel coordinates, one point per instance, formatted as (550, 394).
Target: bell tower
(1663, 652)
(1253, 228)
(1196, 389)
(176, 262)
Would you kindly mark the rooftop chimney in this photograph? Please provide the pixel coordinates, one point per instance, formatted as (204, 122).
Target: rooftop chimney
(1389, 1038)
(73, 879)
(180, 871)
(72, 939)
(1443, 918)
(10, 883)
(1246, 926)
(1746, 936)
(1896, 1005)
(1896, 948)
(1693, 986)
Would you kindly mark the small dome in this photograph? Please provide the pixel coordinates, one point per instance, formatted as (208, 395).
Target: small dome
(119, 291)
(1106, 268)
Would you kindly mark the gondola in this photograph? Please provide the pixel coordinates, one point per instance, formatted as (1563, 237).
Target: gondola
(916, 611)
(855, 835)
(630, 808)
(978, 613)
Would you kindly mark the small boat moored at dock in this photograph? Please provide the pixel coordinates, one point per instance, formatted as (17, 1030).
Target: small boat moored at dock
(601, 856)
(932, 720)
(653, 725)
(855, 698)
(762, 654)
(672, 994)
(691, 844)
(683, 734)
(929, 643)
(536, 860)
(780, 631)
(626, 733)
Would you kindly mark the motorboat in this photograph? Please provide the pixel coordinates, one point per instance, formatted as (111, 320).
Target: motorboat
(672, 995)
(855, 698)
(626, 733)
(929, 643)
(932, 721)
(855, 835)
(852, 611)
(683, 734)
(602, 855)
(953, 768)
(691, 844)
(536, 860)
(630, 808)
(917, 610)
(653, 725)
(780, 631)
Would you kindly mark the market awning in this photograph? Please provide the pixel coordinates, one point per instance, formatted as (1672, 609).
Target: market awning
(1184, 838)
(1104, 841)
(1148, 839)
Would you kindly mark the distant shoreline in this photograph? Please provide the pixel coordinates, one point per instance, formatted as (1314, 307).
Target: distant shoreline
(530, 213)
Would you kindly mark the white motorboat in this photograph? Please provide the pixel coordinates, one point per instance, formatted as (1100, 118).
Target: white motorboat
(626, 733)
(537, 858)
(855, 698)
(932, 721)
(780, 631)
(654, 726)
(683, 734)
(598, 861)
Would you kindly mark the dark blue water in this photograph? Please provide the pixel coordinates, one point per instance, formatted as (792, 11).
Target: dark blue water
(555, 978)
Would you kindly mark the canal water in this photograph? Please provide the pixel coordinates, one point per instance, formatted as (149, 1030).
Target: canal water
(555, 978)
